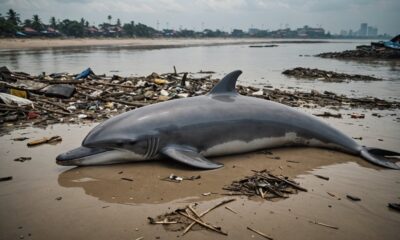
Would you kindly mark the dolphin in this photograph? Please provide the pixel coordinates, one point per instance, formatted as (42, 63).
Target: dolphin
(221, 122)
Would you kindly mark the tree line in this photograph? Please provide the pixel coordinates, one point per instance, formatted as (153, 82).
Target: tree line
(11, 25)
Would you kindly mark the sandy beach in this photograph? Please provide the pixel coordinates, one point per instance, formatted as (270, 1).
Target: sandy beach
(138, 43)
(44, 200)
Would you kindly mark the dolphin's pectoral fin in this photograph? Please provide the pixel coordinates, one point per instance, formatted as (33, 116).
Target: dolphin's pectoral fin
(189, 157)
(380, 157)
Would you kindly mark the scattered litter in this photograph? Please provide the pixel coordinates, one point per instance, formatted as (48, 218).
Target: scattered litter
(330, 76)
(22, 159)
(12, 100)
(264, 184)
(58, 198)
(177, 179)
(59, 90)
(54, 139)
(356, 115)
(328, 114)
(354, 198)
(3, 179)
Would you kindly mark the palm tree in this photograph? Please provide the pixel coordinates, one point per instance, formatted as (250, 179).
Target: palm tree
(13, 17)
(53, 22)
(37, 23)
(109, 18)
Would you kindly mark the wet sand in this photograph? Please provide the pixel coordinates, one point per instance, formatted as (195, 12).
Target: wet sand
(139, 43)
(97, 204)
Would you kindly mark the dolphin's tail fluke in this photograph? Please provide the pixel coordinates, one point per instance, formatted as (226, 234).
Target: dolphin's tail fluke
(381, 157)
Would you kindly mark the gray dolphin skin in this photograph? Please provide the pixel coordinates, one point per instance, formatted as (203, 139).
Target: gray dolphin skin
(219, 123)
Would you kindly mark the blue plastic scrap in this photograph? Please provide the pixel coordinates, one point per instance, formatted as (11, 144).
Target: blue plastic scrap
(84, 74)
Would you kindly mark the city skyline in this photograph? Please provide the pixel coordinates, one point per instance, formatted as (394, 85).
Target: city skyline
(333, 16)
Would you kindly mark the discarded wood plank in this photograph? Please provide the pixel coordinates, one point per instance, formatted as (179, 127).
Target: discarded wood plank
(127, 179)
(324, 224)
(44, 140)
(203, 224)
(8, 178)
(322, 177)
(260, 233)
(354, 198)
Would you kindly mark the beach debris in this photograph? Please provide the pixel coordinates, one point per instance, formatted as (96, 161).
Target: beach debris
(173, 178)
(357, 115)
(20, 139)
(353, 198)
(394, 206)
(140, 238)
(330, 76)
(364, 53)
(8, 178)
(84, 74)
(100, 97)
(260, 233)
(22, 159)
(230, 209)
(322, 177)
(186, 218)
(324, 224)
(54, 139)
(59, 90)
(328, 114)
(264, 46)
(58, 198)
(264, 184)
(127, 179)
(12, 100)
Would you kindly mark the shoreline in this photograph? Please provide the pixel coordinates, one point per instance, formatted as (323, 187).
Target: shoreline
(140, 43)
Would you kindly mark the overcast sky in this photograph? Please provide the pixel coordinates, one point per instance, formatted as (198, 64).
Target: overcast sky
(333, 15)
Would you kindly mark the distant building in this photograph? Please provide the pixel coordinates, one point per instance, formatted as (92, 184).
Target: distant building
(343, 33)
(363, 30)
(372, 31)
(253, 31)
(307, 31)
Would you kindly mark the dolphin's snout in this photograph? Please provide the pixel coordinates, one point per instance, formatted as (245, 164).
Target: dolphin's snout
(72, 157)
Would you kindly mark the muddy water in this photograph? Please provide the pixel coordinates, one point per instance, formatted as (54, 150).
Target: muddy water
(97, 204)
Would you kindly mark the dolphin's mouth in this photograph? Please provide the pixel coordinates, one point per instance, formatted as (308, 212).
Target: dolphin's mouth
(75, 156)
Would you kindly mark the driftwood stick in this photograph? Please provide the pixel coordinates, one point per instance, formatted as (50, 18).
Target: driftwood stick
(52, 111)
(52, 103)
(230, 209)
(324, 224)
(203, 223)
(289, 182)
(205, 212)
(135, 104)
(260, 233)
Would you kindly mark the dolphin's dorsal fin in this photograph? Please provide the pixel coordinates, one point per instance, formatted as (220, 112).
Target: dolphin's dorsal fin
(189, 156)
(227, 84)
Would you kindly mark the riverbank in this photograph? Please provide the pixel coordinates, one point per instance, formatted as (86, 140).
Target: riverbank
(140, 43)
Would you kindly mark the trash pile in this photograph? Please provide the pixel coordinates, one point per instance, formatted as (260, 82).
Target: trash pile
(376, 50)
(27, 100)
(330, 76)
(184, 219)
(264, 184)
